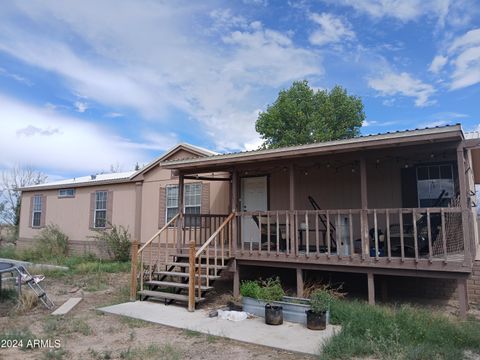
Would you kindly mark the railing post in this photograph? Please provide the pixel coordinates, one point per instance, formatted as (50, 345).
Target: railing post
(462, 183)
(191, 277)
(134, 266)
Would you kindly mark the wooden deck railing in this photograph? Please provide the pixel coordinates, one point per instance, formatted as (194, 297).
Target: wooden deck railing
(415, 233)
(200, 227)
(219, 247)
(152, 258)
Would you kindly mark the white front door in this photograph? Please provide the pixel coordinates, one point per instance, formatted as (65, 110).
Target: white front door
(254, 198)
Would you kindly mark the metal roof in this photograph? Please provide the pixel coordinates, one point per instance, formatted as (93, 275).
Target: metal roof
(353, 143)
(84, 181)
(111, 178)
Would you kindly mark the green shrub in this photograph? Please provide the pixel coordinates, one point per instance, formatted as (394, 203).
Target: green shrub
(320, 301)
(268, 290)
(116, 242)
(51, 243)
(250, 288)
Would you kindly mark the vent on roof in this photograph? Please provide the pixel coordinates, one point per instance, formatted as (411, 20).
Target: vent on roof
(93, 177)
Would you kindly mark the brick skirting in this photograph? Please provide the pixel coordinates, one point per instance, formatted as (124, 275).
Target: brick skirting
(473, 284)
(75, 247)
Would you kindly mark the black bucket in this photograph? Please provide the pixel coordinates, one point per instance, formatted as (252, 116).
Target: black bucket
(273, 314)
(316, 321)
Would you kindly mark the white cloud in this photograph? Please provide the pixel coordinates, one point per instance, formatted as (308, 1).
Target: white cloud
(19, 78)
(453, 12)
(332, 29)
(465, 54)
(80, 106)
(113, 114)
(391, 84)
(41, 138)
(152, 58)
(437, 64)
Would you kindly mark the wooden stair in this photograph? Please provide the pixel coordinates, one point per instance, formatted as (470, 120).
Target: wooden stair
(171, 284)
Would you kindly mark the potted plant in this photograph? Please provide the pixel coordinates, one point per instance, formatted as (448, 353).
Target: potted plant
(320, 301)
(259, 296)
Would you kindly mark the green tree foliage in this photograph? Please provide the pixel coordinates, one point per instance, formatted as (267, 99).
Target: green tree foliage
(302, 115)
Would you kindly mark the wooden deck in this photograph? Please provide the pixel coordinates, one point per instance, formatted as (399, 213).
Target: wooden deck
(423, 239)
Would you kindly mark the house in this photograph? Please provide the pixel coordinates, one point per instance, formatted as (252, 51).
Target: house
(141, 201)
(397, 204)
(388, 206)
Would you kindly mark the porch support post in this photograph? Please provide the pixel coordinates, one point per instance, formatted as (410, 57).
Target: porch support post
(462, 184)
(293, 237)
(299, 282)
(462, 297)
(234, 206)
(364, 201)
(371, 288)
(473, 211)
(181, 183)
(236, 279)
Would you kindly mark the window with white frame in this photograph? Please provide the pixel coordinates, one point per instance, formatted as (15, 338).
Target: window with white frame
(192, 205)
(100, 215)
(66, 193)
(171, 202)
(37, 211)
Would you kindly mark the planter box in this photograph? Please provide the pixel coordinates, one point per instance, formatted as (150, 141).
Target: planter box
(293, 308)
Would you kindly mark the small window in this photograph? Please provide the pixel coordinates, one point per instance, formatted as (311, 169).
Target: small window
(66, 193)
(37, 211)
(100, 219)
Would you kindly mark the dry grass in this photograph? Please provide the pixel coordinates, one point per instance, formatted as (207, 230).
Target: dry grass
(310, 286)
(26, 302)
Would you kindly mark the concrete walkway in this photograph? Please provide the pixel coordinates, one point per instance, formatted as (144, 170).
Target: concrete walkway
(289, 336)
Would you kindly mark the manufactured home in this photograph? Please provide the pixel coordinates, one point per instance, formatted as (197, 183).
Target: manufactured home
(395, 205)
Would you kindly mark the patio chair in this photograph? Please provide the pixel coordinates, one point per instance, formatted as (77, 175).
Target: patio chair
(323, 220)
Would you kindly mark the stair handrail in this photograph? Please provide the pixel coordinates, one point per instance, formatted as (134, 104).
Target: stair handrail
(212, 237)
(158, 233)
(139, 253)
(192, 256)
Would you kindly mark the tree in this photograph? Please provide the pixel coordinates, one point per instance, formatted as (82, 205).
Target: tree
(10, 182)
(301, 115)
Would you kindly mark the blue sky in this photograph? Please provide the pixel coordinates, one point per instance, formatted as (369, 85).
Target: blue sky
(86, 84)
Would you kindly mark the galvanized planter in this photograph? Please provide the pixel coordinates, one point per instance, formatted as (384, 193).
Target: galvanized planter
(294, 309)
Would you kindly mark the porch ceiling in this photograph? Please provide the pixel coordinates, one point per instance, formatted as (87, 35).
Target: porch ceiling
(379, 141)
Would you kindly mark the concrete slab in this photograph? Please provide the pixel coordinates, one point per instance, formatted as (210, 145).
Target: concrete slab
(289, 336)
(67, 306)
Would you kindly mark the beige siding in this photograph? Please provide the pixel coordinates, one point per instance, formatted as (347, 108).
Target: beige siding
(159, 178)
(72, 215)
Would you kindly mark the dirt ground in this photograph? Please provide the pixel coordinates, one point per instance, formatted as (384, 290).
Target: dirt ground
(86, 333)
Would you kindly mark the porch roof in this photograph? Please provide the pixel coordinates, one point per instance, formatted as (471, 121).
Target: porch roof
(383, 140)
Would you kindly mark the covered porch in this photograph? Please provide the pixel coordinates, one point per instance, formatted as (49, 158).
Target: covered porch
(394, 205)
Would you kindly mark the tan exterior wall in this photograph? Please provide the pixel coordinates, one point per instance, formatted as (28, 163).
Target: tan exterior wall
(337, 188)
(157, 179)
(72, 215)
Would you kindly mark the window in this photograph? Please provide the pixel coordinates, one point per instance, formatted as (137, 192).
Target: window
(193, 199)
(171, 201)
(100, 215)
(66, 193)
(435, 185)
(37, 211)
